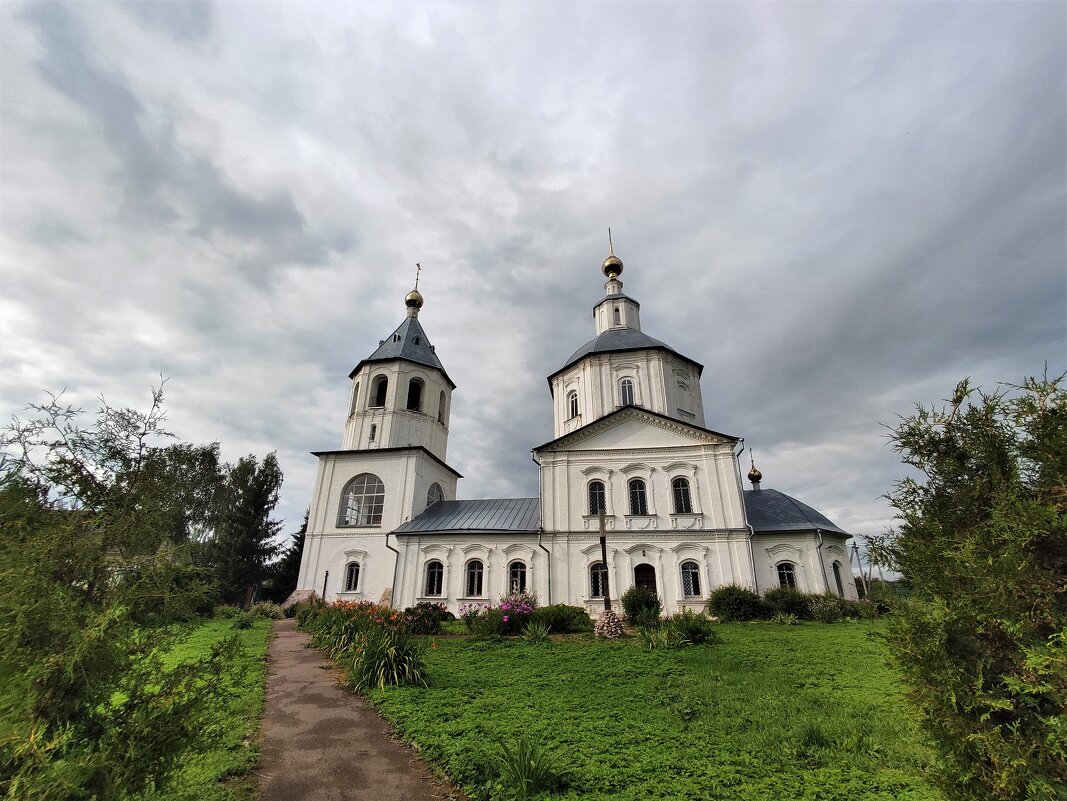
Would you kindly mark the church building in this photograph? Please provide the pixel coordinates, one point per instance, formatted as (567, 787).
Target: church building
(630, 441)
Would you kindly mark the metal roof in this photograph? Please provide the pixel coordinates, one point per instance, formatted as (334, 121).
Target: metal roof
(408, 342)
(770, 510)
(621, 339)
(486, 514)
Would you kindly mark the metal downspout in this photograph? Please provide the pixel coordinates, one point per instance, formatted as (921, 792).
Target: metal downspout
(744, 517)
(396, 565)
(822, 564)
(541, 528)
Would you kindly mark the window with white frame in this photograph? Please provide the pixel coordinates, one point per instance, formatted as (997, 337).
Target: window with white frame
(434, 494)
(690, 579)
(572, 404)
(352, 577)
(597, 497)
(362, 501)
(626, 392)
(638, 497)
(355, 398)
(475, 571)
(517, 577)
(683, 501)
(598, 579)
(787, 575)
(435, 578)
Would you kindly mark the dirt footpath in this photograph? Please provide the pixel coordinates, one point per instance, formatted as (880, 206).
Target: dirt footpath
(321, 743)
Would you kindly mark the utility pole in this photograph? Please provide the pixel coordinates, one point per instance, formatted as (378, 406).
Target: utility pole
(604, 560)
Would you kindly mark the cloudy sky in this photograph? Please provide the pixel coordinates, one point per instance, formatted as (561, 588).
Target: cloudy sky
(839, 209)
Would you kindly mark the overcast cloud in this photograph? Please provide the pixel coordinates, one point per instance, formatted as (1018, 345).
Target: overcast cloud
(839, 209)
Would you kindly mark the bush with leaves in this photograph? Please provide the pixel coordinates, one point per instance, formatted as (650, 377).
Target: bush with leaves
(563, 619)
(641, 606)
(268, 609)
(693, 627)
(96, 523)
(981, 637)
(426, 617)
(732, 603)
(789, 600)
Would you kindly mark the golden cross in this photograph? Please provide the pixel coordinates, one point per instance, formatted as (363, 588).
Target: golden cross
(418, 269)
(611, 248)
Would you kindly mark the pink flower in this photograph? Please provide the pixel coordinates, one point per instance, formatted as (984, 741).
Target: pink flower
(505, 618)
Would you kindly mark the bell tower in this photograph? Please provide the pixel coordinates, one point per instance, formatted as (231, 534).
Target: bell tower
(401, 395)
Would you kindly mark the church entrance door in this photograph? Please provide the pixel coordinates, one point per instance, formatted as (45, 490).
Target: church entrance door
(645, 576)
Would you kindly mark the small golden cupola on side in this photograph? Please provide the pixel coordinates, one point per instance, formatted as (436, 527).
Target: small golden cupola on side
(413, 299)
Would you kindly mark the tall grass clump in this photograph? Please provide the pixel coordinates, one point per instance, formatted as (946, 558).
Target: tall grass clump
(528, 766)
(386, 658)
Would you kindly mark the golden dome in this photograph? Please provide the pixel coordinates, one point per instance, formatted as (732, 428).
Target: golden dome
(612, 266)
(754, 475)
(413, 298)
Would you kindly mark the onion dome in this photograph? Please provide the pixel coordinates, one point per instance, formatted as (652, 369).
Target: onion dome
(413, 299)
(754, 475)
(612, 266)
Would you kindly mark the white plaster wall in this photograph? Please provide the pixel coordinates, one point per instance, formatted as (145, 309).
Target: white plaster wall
(801, 548)
(395, 425)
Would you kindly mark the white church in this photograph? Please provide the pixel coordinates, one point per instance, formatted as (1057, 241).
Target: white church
(386, 523)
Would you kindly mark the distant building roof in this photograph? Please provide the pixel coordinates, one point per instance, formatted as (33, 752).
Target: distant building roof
(770, 510)
(408, 342)
(509, 515)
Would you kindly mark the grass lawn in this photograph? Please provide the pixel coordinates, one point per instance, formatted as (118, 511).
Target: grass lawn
(221, 774)
(770, 712)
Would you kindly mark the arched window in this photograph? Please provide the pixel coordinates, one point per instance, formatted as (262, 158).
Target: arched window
(381, 386)
(837, 579)
(690, 580)
(352, 577)
(572, 404)
(683, 502)
(415, 395)
(517, 577)
(626, 392)
(787, 575)
(362, 501)
(475, 570)
(618, 316)
(598, 578)
(355, 398)
(596, 497)
(638, 497)
(441, 408)
(435, 578)
(435, 494)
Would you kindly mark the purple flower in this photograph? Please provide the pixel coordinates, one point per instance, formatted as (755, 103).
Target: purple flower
(505, 618)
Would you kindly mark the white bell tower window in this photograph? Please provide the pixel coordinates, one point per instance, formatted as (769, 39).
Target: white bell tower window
(626, 392)
(362, 501)
(572, 404)
(381, 386)
(415, 395)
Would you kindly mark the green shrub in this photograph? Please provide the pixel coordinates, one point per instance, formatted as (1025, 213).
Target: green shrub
(693, 627)
(384, 657)
(268, 609)
(641, 606)
(661, 637)
(528, 767)
(244, 620)
(426, 618)
(227, 611)
(736, 604)
(785, 619)
(789, 600)
(563, 619)
(488, 624)
(535, 632)
(828, 608)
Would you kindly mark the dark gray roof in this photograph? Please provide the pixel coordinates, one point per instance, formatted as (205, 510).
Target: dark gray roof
(408, 342)
(770, 510)
(620, 339)
(486, 514)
